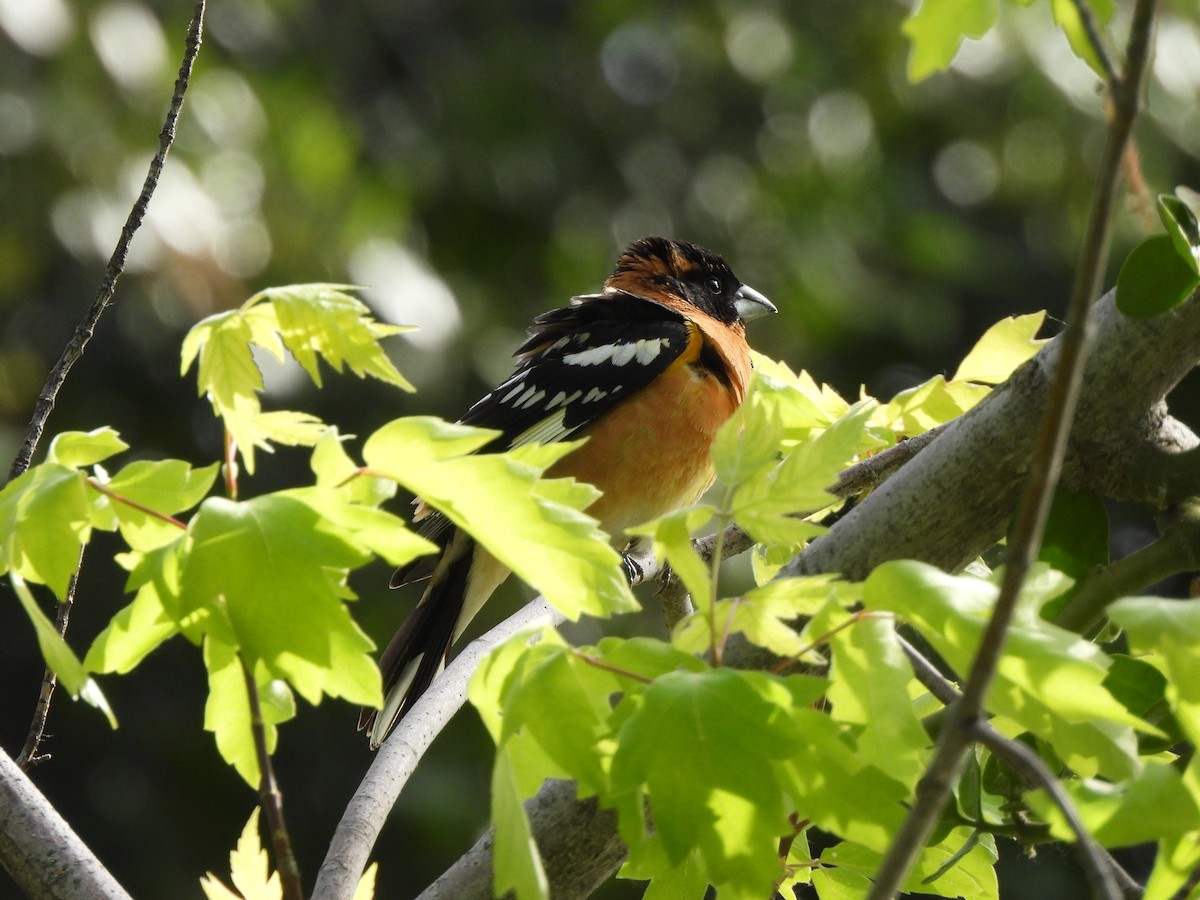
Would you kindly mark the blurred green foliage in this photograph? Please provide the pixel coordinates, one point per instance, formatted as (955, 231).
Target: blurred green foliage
(472, 164)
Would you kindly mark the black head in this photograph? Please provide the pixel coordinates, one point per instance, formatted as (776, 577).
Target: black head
(662, 269)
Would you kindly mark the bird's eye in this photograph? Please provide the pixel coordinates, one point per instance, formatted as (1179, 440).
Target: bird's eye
(714, 285)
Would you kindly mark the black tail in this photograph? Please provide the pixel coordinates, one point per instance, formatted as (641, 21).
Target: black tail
(417, 651)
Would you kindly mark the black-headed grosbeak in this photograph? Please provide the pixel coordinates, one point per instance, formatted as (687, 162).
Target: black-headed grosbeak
(648, 369)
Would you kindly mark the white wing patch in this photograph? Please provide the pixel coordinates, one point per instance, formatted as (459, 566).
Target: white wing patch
(644, 351)
(547, 431)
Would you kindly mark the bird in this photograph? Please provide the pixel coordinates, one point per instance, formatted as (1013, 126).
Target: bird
(647, 369)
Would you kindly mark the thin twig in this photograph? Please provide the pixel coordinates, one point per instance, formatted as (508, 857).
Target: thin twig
(1092, 29)
(116, 263)
(132, 504)
(1102, 871)
(942, 773)
(1185, 889)
(269, 797)
(30, 755)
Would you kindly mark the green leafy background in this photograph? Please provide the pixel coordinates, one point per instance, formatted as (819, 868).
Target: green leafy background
(473, 164)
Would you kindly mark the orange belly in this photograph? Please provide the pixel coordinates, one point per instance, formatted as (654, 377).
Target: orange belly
(652, 455)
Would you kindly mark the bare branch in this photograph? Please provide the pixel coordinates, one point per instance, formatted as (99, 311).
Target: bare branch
(41, 853)
(355, 836)
(116, 263)
(30, 754)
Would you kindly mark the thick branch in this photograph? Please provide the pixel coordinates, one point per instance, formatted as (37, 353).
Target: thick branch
(368, 809)
(39, 850)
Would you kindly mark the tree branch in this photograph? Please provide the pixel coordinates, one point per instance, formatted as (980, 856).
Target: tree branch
(116, 263)
(355, 836)
(29, 755)
(1101, 868)
(269, 797)
(1177, 550)
(45, 858)
(1056, 417)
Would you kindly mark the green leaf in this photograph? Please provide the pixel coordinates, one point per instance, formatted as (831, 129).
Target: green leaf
(928, 405)
(85, 448)
(249, 870)
(1154, 278)
(749, 439)
(167, 487)
(937, 27)
(1076, 536)
(1170, 631)
(1003, 347)
(1174, 863)
(323, 320)
(803, 406)
(1182, 228)
(869, 687)
(515, 857)
(563, 704)
(550, 544)
(830, 784)
(311, 321)
(59, 657)
(45, 519)
(1155, 805)
(1066, 14)
(766, 505)
(700, 746)
(1049, 680)
(766, 616)
(972, 875)
(227, 710)
(131, 634)
(267, 577)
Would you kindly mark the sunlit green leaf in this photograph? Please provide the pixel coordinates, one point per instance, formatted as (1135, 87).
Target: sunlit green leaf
(131, 634)
(227, 710)
(45, 519)
(1170, 630)
(515, 857)
(1155, 805)
(1050, 680)
(84, 448)
(165, 486)
(1066, 14)
(550, 545)
(267, 576)
(766, 506)
(59, 657)
(937, 27)
(322, 320)
(709, 783)
(672, 535)
(1003, 347)
(869, 687)
(250, 870)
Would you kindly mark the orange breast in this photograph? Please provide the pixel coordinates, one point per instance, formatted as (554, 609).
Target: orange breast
(650, 455)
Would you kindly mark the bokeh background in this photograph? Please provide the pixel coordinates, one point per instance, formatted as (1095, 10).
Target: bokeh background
(473, 163)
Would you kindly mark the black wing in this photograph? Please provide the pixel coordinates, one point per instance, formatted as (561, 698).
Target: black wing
(576, 364)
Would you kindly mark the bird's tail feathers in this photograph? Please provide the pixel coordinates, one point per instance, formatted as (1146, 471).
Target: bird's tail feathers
(418, 651)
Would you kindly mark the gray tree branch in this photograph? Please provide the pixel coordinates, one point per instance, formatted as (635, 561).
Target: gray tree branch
(39, 850)
(948, 504)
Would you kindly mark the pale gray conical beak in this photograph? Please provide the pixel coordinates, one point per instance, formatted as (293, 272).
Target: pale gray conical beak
(750, 304)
